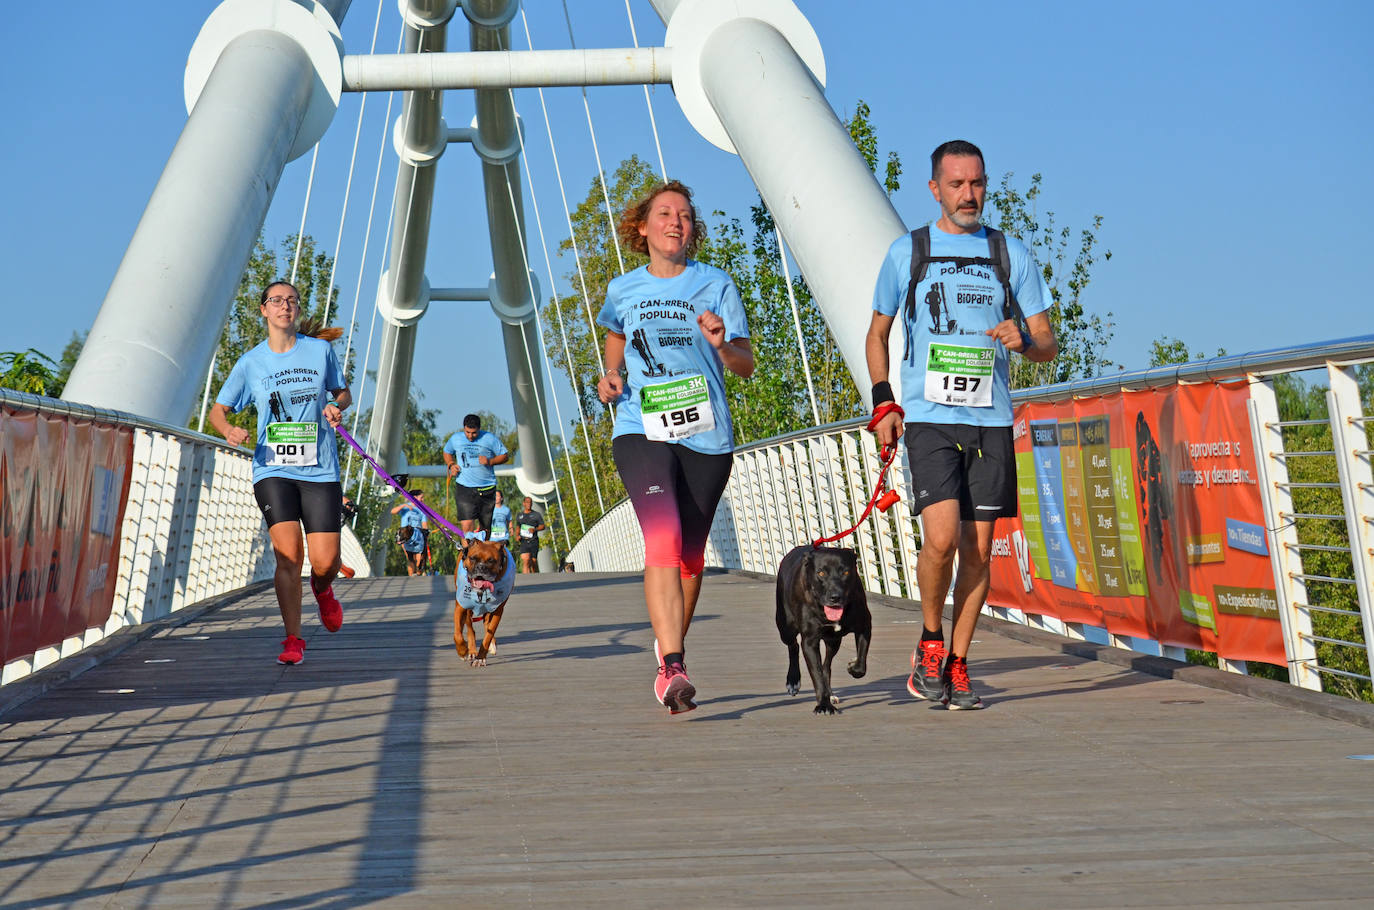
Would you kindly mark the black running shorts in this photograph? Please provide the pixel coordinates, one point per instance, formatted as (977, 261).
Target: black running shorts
(315, 504)
(974, 465)
(475, 503)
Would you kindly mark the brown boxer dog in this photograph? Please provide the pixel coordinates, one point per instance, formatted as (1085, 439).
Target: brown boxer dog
(483, 582)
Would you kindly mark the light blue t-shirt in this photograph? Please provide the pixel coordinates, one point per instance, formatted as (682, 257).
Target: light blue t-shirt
(500, 523)
(413, 518)
(955, 305)
(658, 317)
(472, 473)
(481, 600)
(288, 388)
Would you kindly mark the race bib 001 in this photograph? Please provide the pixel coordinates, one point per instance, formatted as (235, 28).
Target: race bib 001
(956, 374)
(677, 409)
(292, 445)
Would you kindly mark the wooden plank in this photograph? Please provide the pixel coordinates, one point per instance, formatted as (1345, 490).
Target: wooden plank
(385, 770)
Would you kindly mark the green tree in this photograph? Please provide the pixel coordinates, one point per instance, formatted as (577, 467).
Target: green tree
(69, 355)
(422, 444)
(1165, 350)
(29, 371)
(1083, 336)
(1313, 478)
(244, 327)
(865, 136)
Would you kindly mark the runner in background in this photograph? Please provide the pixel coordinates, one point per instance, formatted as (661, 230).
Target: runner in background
(530, 524)
(472, 456)
(500, 519)
(414, 533)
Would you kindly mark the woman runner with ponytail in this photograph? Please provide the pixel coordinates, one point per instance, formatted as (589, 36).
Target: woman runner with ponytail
(294, 380)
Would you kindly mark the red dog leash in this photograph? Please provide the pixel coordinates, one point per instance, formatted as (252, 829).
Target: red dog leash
(882, 497)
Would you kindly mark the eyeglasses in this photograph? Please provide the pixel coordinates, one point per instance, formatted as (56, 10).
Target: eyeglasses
(284, 302)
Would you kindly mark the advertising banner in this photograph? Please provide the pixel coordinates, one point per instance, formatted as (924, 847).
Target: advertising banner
(63, 486)
(1140, 512)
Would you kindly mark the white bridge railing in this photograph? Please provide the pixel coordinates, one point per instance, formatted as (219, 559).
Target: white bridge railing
(191, 529)
(793, 489)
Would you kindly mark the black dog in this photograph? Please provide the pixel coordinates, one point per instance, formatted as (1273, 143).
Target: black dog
(820, 598)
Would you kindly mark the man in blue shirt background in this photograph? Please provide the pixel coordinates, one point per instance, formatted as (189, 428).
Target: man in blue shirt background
(472, 457)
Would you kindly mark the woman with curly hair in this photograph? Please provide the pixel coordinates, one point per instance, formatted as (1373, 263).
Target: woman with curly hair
(673, 439)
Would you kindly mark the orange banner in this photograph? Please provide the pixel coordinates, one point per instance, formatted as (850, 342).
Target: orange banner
(63, 487)
(1140, 512)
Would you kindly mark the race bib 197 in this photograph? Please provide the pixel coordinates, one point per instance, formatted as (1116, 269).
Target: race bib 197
(292, 445)
(956, 374)
(677, 408)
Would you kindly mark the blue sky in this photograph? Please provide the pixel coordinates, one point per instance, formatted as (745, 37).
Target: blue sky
(1227, 146)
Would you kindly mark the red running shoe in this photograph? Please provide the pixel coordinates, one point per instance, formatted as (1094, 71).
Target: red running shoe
(331, 611)
(346, 572)
(292, 651)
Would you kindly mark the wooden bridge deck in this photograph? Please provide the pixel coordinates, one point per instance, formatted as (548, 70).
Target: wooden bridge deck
(189, 769)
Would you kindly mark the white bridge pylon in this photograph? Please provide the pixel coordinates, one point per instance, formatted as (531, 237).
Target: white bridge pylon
(263, 83)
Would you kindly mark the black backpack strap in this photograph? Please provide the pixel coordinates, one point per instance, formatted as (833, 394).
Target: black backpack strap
(920, 261)
(1001, 262)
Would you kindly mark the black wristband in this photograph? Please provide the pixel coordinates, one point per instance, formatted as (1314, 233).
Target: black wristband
(882, 391)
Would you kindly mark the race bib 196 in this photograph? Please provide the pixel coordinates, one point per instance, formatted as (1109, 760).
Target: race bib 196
(292, 444)
(676, 409)
(961, 375)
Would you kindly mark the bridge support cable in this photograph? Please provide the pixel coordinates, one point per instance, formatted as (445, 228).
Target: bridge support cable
(567, 217)
(538, 391)
(305, 210)
(420, 138)
(649, 104)
(262, 85)
(358, 282)
(348, 183)
(558, 310)
(376, 316)
(749, 76)
(496, 141)
(538, 321)
(357, 285)
(796, 323)
(596, 152)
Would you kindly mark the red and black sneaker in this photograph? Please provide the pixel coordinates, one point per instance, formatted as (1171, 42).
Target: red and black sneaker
(959, 694)
(926, 661)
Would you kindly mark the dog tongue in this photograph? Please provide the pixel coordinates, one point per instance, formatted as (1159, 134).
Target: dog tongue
(482, 583)
(834, 613)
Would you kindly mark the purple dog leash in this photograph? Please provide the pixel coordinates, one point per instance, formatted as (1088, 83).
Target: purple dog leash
(381, 472)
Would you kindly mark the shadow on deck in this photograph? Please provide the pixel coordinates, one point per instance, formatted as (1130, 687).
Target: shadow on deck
(190, 769)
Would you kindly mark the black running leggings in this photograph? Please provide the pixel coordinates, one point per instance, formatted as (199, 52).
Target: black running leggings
(675, 492)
